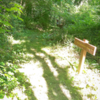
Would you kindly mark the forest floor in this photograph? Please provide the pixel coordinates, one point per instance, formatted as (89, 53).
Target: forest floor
(50, 72)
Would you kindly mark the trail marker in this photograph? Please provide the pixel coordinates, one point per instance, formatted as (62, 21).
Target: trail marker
(86, 47)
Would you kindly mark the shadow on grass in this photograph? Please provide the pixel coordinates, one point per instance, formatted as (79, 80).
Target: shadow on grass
(24, 82)
(54, 84)
(10, 58)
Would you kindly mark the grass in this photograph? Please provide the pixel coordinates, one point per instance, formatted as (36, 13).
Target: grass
(48, 71)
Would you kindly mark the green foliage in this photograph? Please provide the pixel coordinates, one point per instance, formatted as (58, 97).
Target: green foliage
(45, 13)
(7, 79)
(81, 19)
(86, 23)
(37, 11)
(9, 12)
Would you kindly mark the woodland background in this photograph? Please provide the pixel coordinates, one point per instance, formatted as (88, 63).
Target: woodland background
(76, 18)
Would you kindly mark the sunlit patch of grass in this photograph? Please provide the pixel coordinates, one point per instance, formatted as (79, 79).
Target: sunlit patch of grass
(51, 71)
(66, 92)
(13, 41)
(92, 96)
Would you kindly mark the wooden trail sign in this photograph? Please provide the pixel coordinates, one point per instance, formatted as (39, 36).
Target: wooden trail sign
(86, 47)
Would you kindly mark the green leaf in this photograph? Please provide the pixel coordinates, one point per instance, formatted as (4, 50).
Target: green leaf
(1, 94)
(2, 63)
(1, 80)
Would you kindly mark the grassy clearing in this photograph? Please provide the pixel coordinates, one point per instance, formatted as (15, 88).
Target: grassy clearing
(50, 72)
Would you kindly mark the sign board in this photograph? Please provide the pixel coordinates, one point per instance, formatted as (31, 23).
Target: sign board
(86, 47)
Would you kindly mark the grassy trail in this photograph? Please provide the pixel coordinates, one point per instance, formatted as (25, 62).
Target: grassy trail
(45, 72)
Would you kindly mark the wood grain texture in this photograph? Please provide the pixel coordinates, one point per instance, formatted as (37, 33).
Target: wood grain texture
(82, 58)
(86, 46)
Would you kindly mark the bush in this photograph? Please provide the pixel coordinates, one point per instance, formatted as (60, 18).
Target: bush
(8, 13)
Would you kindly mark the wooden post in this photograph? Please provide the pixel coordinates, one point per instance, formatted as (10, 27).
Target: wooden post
(86, 47)
(82, 58)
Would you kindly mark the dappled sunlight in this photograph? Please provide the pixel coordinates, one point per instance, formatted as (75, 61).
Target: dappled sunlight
(62, 63)
(47, 50)
(38, 59)
(77, 7)
(54, 93)
(29, 55)
(31, 68)
(13, 41)
(40, 54)
(50, 73)
(87, 82)
(65, 91)
(20, 93)
(39, 87)
(49, 77)
(52, 69)
(34, 72)
(18, 41)
(5, 98)
(62, 58)
(45, 74)
(33, 49)
(63, 55)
